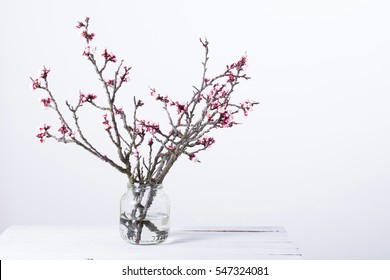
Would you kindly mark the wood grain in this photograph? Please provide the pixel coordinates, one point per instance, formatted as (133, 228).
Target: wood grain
(104, 242)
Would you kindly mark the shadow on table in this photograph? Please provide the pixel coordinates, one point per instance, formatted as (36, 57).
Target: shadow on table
(183, 237)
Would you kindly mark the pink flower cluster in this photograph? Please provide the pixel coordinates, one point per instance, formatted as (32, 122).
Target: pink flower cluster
(42, 132)
(87, 51)
(109, 56)
(181, 108)
(159, 97)
(149, 126)
(46, 102)
(125, 76)
(217, 99)
(63, 130)
(110, 83)
(84, 33)
(88, 36)
(87, 97)
(247, 106)
(217, 96)
(238, 66)
(118, 111)
(206, 141)
(136, 153)
(80, 24)
(36, 83)
(226, 119)
(193, 158)
(44, 72)
(106, 123)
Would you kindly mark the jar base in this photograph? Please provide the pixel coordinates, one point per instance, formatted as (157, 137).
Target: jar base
(147, 232)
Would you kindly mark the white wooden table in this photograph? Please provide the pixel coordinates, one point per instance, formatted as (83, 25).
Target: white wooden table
(104, 242)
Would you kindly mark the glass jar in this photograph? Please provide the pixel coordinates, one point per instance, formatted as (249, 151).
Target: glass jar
(144, 214)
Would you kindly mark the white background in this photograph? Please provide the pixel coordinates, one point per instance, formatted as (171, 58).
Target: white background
(314, 157)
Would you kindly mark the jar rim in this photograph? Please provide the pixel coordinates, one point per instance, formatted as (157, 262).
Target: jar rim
(144, 186)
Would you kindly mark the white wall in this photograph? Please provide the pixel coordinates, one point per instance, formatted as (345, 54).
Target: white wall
(313, 157)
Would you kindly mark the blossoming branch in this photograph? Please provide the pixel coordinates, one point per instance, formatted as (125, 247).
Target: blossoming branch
(190, 122)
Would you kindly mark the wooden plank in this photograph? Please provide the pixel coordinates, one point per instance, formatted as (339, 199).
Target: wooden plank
(104, 242)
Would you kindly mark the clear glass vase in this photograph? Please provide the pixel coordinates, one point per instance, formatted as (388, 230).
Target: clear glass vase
(144, 214)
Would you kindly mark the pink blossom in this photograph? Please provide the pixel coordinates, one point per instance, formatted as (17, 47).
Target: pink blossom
(222, 92)
(226, 119)
(71, 134)
(181, 108)
(88, 36)
(136, 153)
(221, 109)
(109, 56)
(210, 116)
(87, 97)
(218, 105)
(42, 132)
(44, 72)
(35, 84)
(118, 111)
(87, 51)
(46, 102)
(109, 83)
(140, 129)
(231, 78)
(239, 65)
(80, 24)
(217, 91)
(106, 123)
(242, 62)
(214, 105)
(150, 142)
(124, 77)
(150, 126)
(63, 130)
(247, 106)
(193, 158)
(159, 97)
(206, 141)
